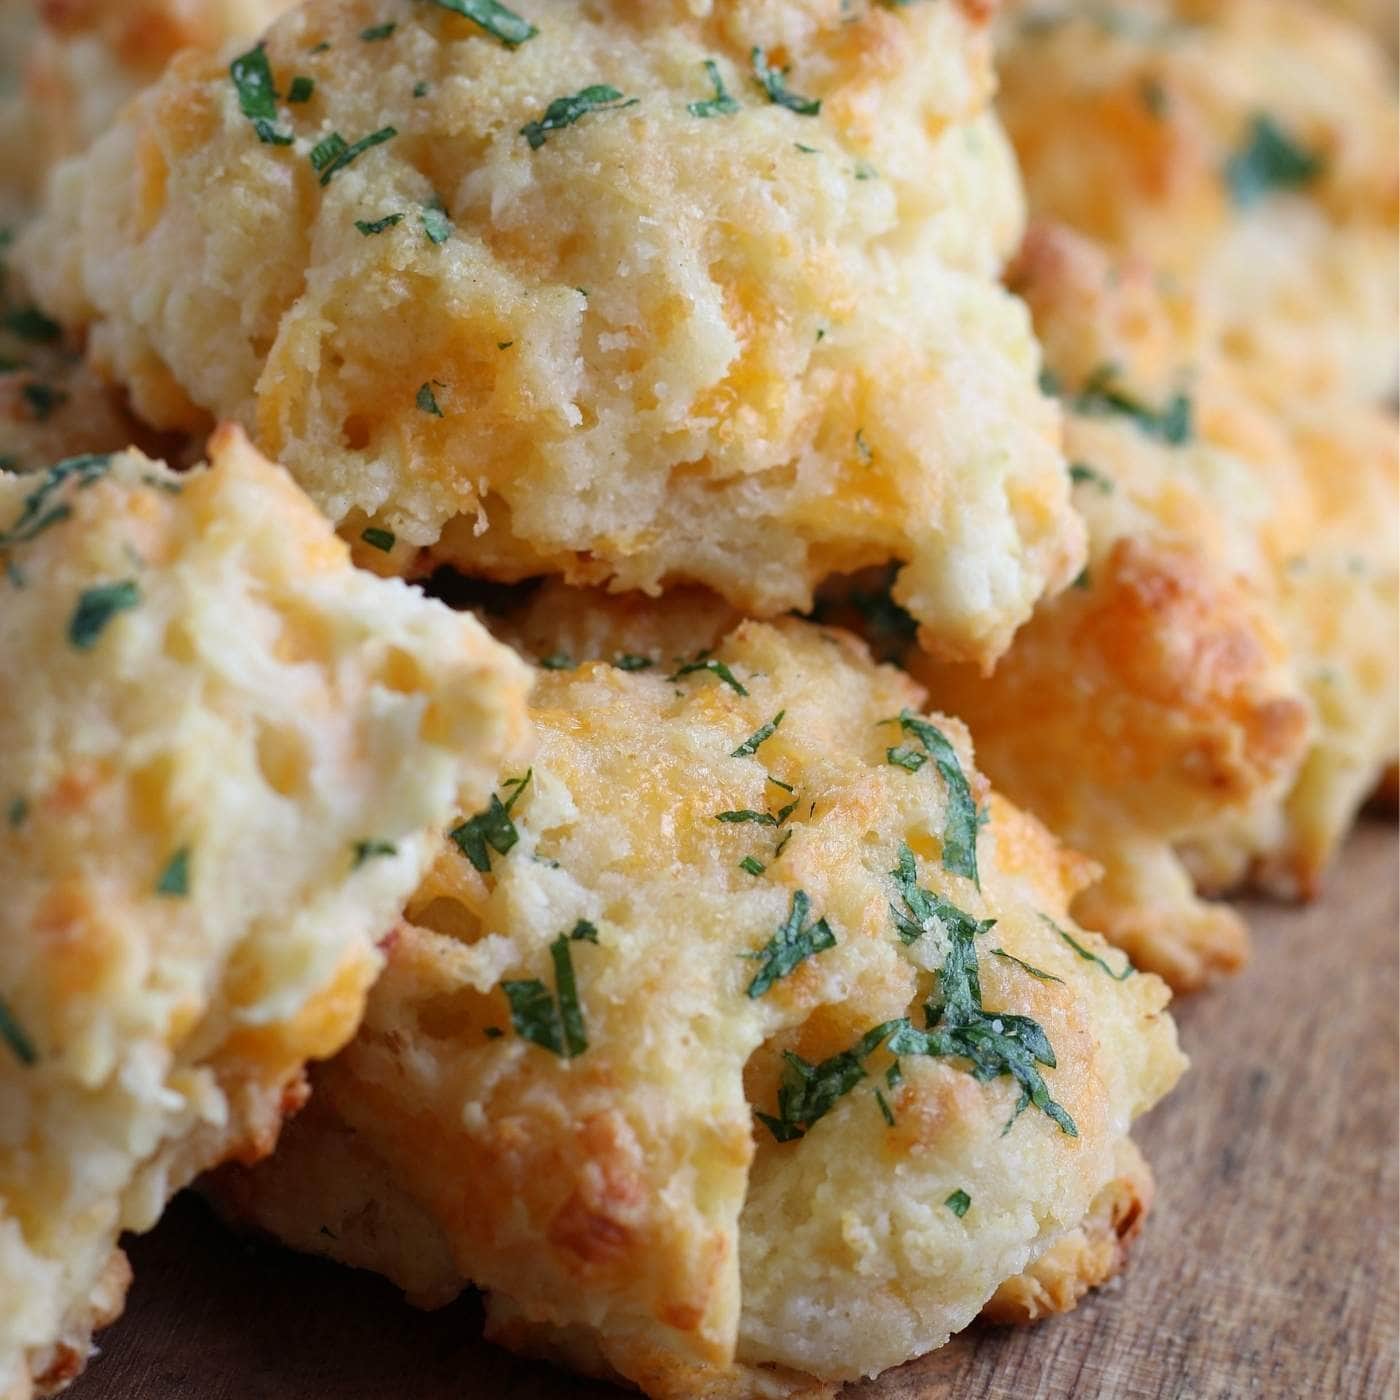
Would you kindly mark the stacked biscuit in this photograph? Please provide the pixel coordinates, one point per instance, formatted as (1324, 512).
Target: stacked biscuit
(691, 991)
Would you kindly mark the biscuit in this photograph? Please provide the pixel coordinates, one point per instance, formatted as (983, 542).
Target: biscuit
(225, 758)
(631, 1068)
(703, 332)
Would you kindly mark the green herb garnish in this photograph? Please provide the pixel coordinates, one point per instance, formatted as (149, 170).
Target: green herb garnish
(704, 662)
(903, 756)
(885, 1111)
(427, 400)
(721, 104)
(376, 538)
(435, 222)
(420, 88)
(958, 1202)
(1025, 966)
(752, 865)
(491, 829)
(257, 95)
(773, 82)
(960, 822)
(378, 31)
(12, 1033)
(330, 156)
(369, 227)
(745, 814)
(923, 906)
(1269, 160)
(808, 1092)
(557, 661)
(584, 932)
(174, 880)
(629, 661)
(1091, 957)
(565, 111)
(301, 89)
(37, 515)
(17, 812)
(368, 850)
(996, 1043)
(97, 607)
(1080, 472)
(554, 1022)
(1171, 424)
(751, 745)
(792, 944)
(29, 323)
(494, 18)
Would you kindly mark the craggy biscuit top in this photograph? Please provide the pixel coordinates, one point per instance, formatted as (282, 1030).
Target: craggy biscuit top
(636, 295)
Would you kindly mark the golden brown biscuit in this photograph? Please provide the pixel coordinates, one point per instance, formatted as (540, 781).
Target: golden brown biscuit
(697, 332)
(225, 757)
(632, 1065)
(1220, 687)
(1247, 149)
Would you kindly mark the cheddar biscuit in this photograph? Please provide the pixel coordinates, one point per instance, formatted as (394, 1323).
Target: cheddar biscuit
(225, 757)
(687, 294)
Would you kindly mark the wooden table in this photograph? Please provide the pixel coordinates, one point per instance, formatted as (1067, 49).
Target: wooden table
(1269, 1267)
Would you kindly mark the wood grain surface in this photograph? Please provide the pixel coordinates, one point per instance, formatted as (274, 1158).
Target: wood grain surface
(1268, 1268)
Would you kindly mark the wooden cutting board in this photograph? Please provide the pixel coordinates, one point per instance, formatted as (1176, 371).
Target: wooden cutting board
(1268, 1268)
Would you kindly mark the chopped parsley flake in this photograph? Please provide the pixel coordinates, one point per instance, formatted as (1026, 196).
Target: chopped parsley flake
(369, 227)
(886, 626)
(792, 944)
(558, 661)
(378, 31)
(902, 756)
(1080, 473)
(996, 1043)
(1268, 160)
(959, 1202)
(368, 850)
(43, 399)
(863, 447)
(420, 88)
(301, 89)
(493, 1032)
(97, 607)
(960, 823)
(808, 1092)
(751, 745)
(1171, 424)
(1084, 953)
(630, 661)
(773, 82)
(492, 828)
(18, 811)
(494, 18)
(37, 515)
(554, 1022)
(435, 222)
(1083, 580)
(717, 668)
(565, 111)
(13, 1034)
(745, 814)
(584, 932)
(330, 156)
(427, 400)
(749, 864)
(721, 104)
(885, 1111)
(257, 95)
(865, 171)
(376, 538)
(1154, 97)
(923, 906)
(504, 344)
(174, 880)
(29, 323)
(1026, 967)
